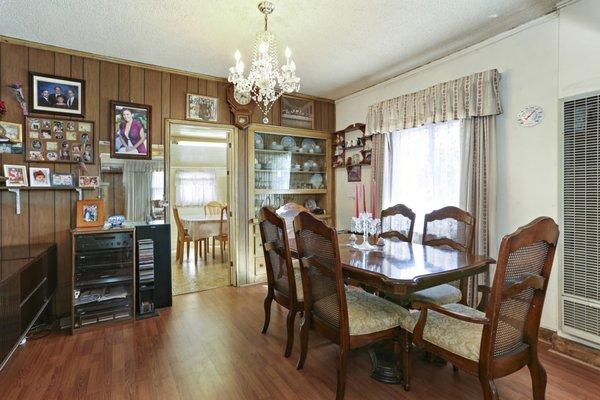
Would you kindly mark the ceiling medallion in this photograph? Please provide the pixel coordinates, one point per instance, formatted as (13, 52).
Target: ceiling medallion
(266, 81)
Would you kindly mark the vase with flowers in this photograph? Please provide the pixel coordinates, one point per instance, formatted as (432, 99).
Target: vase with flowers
(2, 109)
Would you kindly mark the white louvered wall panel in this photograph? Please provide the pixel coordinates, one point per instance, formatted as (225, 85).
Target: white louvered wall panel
(581, 218)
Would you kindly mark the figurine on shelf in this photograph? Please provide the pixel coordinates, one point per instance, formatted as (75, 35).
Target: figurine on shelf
(358, 142)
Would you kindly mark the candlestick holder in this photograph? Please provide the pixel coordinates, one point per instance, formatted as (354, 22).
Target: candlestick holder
(367, 225)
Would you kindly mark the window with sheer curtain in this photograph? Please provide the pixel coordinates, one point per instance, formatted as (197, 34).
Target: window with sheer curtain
(422, 168)
(195, 188)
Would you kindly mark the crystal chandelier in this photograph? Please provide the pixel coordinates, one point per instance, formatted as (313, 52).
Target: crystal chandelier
(266, 81)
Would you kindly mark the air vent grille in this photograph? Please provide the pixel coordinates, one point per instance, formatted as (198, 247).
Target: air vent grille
(581, 214)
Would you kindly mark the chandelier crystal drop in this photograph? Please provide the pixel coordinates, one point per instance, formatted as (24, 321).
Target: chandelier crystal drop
(266, 81)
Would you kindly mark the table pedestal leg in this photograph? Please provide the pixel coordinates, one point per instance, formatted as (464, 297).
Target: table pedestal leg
(386, 366)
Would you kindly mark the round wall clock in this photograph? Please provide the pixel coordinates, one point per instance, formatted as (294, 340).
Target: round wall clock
(242, 98)
(530, 115)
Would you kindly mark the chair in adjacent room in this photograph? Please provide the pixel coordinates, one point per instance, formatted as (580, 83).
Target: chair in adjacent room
(213, 208)
(223, 236)
(183, 238)
(504, 338)
(352, 318)
(398, 222)
(448, 227)
(284, 282)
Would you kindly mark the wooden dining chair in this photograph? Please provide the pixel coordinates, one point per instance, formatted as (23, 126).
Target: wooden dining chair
(352, 318)
(213, 208)
(223, 236)
(398, 222)
(504, 338)
(183, 238)
(448, 227)
(288, 212)
(284, 282)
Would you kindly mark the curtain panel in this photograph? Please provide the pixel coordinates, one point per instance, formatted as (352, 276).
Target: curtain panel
(137, 181)
(475, 95)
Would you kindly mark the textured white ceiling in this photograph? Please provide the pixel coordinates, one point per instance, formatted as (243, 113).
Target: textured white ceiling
(340, 46)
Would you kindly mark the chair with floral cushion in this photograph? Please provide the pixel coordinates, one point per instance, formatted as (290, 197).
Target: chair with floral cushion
(504, 338)
(284, 282)
(448, 227)
(398, 222)
(352, 318)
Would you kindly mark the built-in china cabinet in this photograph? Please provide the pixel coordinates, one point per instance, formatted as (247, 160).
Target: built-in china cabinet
(286, 165)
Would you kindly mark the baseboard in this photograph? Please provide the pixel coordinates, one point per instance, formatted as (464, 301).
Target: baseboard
(578, 351)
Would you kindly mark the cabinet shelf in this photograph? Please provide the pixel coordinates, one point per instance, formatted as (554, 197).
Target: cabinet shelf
(290, 191)
(300, 153)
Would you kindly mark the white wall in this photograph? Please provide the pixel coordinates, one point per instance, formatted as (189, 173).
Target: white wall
(527, 179)
(549, 59)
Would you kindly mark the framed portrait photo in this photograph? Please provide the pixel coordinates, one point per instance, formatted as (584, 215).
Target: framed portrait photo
(90, 213)
(39, 177)
(201, 108)
(16, 175)
(12, 132)
(354, 173)
(91, 182)
(131, 133)
(65, 180)
(51, 94)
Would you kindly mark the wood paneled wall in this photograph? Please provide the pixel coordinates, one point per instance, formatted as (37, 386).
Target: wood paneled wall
(47, 215)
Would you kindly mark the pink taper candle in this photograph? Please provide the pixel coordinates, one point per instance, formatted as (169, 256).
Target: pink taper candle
(356, 199)
(364, 196)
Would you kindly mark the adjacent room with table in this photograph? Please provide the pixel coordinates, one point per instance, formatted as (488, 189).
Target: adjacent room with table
(394, 199)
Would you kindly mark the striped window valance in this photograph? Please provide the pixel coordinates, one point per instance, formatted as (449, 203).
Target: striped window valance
(470, 96)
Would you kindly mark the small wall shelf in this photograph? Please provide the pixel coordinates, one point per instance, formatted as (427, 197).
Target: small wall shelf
(17, 191)
(340, 146)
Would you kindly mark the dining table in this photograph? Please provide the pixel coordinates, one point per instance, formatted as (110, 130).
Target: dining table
(204, 226)
(398, 268)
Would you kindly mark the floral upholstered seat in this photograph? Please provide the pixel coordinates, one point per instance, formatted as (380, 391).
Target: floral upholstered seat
(456, 336)
(440, 295)
(367, 313)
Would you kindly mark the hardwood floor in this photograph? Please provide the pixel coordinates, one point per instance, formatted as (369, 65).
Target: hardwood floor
(209, 346)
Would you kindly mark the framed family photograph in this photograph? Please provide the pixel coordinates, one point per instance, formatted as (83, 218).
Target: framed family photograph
(65, 180)
(201, 108)
(12, 132)
(16, 175)
(39, 177)
(89, 182)
(90, 213)
(131, 134)
(51, 94)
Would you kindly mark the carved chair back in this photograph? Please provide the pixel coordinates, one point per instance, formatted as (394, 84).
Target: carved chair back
(213, 208)
(449, 226)
(517, 296)
(278, 259)
(398, 221)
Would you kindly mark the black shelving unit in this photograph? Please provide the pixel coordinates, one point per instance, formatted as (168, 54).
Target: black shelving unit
(103, 277)
(160, 235)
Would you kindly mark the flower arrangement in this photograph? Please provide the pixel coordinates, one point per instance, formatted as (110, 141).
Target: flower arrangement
(2, 109)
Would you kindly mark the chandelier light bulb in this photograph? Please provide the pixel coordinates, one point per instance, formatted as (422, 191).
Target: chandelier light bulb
(292, 66)
(237, 55)
(263, 47)
(288, 52)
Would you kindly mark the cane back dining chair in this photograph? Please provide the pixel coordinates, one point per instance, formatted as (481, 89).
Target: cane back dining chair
(447, 227)
(504, 338)
(398, 222)
(352, 318)
(284, 282)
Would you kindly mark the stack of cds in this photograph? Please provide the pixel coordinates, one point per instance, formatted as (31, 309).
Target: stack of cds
(145, 276)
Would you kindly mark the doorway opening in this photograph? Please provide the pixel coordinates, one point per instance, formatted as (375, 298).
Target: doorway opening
(200, 205)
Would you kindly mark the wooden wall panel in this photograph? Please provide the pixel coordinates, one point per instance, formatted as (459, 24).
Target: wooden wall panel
(48, 215)
(136, 85)
(109, 90)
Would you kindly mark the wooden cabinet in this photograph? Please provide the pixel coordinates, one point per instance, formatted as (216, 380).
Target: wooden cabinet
(286, 165)
(27, 284)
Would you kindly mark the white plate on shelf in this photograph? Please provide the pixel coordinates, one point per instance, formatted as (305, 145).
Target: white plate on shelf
(316, 180)
(288, 142)
(308, 145)
(258, 141)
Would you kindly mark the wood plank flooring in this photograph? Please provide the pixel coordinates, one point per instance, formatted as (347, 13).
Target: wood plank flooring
(209, 346)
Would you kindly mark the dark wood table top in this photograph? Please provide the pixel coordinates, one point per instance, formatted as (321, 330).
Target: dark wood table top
(401, 268)
(15, 258)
